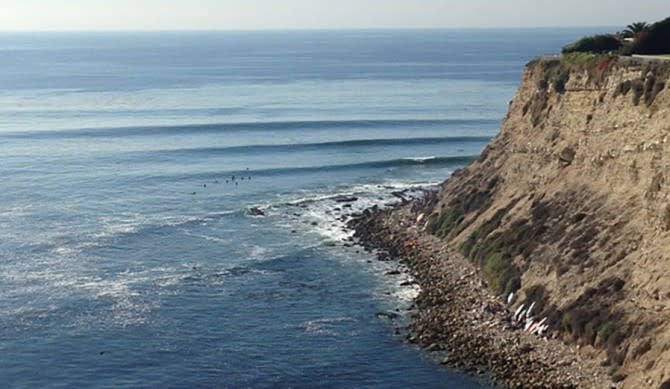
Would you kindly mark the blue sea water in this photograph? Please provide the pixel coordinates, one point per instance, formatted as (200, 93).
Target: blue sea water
(128, 257)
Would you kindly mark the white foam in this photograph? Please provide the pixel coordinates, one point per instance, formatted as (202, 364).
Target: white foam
(398, 290)
(420, 159)
(258, 252)
(325, 326)
(65, 250)
(16, 211)
(111, 226)
(407, 293)
(209, 238)
(47, 285)
(319, 211)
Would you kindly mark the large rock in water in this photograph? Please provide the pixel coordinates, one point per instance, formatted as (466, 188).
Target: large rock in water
(571, 204)
(255, 211)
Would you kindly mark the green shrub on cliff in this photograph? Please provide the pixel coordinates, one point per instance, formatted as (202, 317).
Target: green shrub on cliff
(443, 224)
(652, 87)
(623, 88)
(495, 262)
(638, 91)
(606, 331)
(585, 58)
(594, 44)
(565, 322)
(494, 254)
(648, 86)
(500, 274)
(560, 80)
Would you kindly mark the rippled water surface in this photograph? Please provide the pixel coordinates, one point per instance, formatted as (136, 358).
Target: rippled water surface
(128, 163)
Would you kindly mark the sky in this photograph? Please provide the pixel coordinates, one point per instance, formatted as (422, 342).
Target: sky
(41, 15)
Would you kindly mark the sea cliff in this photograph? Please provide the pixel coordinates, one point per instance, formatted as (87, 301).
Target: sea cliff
(568, 210)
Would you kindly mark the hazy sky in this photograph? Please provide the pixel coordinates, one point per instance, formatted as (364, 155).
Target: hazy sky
(326, 14)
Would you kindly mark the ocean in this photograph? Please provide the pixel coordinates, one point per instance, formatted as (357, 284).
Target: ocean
(129, 163)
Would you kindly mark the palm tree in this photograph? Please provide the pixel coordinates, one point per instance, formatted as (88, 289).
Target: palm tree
(632, 30)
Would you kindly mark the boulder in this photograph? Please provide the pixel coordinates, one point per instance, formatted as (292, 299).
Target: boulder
(255, 211)
(345, 199)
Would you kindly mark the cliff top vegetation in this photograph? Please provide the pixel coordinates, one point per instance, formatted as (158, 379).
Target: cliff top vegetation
(636, 38)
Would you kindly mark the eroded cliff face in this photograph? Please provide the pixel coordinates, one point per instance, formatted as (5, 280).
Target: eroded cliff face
(569, 207)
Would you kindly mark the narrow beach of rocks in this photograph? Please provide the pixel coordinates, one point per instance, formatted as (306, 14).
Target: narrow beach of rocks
(459, 320)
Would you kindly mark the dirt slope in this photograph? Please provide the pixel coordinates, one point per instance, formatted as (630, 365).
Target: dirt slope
(569, 208)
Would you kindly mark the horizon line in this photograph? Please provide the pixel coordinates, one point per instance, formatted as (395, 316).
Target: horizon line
(306, 29)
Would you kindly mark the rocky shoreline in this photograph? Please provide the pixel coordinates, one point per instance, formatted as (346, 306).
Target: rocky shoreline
(460, 320)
